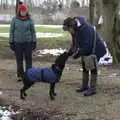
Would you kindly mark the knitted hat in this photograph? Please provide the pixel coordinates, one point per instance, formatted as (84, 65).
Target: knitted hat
(23, 7)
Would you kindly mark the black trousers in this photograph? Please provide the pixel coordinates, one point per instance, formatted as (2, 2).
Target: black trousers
(23, 52)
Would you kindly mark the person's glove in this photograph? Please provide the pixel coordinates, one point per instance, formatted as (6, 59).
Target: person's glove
(76, 54)
(33, 45)
(12, 46)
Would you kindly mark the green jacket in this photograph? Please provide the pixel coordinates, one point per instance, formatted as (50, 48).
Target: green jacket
(22, 31)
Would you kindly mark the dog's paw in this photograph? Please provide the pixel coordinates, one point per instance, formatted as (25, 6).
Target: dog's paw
(22, 98)
(54, 93)
(20, 79)
(52, 98)
(22, 94)
(25, 94)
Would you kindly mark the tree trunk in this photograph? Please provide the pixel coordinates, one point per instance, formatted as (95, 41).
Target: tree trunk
(110, 19)
(98, 15)
(17, 3)
(91, 11)
(116, 33)
(110, 29)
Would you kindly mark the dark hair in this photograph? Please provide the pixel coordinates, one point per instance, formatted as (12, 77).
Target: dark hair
(69, 22)
(20, 2)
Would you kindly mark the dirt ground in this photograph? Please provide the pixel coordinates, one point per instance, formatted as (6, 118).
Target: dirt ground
(68, 104)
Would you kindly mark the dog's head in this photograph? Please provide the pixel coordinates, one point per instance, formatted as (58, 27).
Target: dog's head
(61, 60)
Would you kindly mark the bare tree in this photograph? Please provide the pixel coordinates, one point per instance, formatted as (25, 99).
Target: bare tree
(17, 3)
(91, 11)
(7, 3)
(60, 5)
(75, 4)
(110, 29)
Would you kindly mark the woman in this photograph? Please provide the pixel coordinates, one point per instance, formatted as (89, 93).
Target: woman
(83, 35)
(22, 39)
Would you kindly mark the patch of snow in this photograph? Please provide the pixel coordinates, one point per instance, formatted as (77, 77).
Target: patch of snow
(38, 35)
(4, 25)
(1, 92)
(113, 75)
(48, 35)
(6, 113)
(107, 59)
(5, 17)
(54, 52)
(36, 25)
(49, 26)
(4, 34)
(101, 20)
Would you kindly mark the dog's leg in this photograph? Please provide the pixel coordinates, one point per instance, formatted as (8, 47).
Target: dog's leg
(23, 90)
(51, 91)
(22, 94)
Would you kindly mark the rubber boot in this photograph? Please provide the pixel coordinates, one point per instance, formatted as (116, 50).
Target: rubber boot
(84, 82)
(92, 89)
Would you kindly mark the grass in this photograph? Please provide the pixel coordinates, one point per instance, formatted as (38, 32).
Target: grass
(43, 30)
(42, 43)
(51, 30)
(4, 29)
(104, 105)
(38, 29)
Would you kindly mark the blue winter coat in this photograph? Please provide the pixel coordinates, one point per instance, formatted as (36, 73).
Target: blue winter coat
(42, 75)
(84, 39)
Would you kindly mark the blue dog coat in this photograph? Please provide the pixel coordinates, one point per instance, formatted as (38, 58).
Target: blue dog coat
(42, 75)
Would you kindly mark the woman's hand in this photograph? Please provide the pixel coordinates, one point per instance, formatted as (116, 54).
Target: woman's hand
(70, 52)
(33, 45)
(12, 46)
(76, 54)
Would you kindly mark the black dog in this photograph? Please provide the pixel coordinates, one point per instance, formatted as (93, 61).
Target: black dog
(50, 75)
